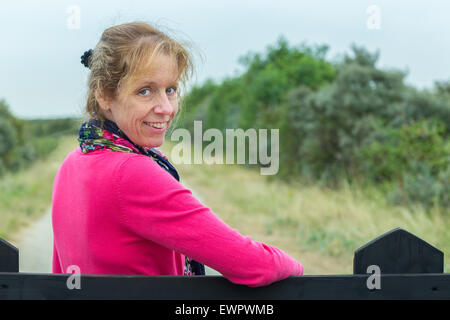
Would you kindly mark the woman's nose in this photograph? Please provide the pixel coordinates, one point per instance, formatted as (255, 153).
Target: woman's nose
(164, 105)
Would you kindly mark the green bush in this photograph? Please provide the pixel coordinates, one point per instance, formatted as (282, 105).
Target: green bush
(409, 148)
(415, 157)
(24, 141)
(322, 131)
(42, 146)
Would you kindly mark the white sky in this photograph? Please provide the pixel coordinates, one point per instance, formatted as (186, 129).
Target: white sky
(41, 74)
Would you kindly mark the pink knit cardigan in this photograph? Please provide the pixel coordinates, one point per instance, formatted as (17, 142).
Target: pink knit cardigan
(121, 213)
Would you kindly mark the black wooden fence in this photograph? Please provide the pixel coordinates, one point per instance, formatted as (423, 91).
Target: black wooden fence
(396, 265)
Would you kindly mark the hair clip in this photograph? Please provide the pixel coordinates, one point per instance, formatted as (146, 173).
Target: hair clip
(85, 58)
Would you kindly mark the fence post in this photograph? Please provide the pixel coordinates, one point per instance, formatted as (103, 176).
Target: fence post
(399, 251)
(9, 257)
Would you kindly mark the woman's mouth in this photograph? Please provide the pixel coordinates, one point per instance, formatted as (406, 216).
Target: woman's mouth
(157, 127)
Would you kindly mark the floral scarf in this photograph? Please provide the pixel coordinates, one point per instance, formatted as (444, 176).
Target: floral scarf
(92, 137)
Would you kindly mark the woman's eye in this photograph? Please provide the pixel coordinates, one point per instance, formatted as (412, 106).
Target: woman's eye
(171, 90)
(143, 92)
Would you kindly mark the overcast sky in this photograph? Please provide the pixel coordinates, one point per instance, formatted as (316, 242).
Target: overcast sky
(41, 41)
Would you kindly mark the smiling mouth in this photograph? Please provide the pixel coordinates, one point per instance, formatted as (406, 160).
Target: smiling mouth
(157, 125)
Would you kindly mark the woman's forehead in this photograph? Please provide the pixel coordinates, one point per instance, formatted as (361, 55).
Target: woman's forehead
(157, 81)
(162, 70)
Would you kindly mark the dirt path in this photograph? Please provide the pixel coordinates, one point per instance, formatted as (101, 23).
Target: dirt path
(35, 246)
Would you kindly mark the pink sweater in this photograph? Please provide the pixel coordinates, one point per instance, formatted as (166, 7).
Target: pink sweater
(121, 213)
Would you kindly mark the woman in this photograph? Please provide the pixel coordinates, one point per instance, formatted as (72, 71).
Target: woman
(118, 205)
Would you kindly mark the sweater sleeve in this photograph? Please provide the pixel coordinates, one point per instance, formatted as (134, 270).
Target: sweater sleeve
(157, 207)
(56, 264)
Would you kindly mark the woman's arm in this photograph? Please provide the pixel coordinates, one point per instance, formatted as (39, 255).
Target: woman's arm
(157, 207)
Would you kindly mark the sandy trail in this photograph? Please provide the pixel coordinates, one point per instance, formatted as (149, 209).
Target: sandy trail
(35, 246)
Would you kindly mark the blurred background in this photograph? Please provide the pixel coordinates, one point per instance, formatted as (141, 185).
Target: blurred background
(360, 91)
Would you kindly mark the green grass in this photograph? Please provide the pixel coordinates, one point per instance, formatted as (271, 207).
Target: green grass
(319, 227)
(26, 195)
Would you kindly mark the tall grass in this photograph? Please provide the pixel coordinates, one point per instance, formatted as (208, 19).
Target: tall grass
(26, 195)
(319, 227)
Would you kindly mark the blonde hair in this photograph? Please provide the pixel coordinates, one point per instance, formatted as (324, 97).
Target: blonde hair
(123, 54)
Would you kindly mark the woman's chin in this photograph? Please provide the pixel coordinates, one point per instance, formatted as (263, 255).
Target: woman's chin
(153, 143)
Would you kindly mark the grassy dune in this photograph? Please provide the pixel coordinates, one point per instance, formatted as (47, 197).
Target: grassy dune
(27, 195)
(320, 228)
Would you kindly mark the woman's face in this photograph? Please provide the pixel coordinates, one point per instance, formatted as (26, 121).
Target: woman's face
(146, 113)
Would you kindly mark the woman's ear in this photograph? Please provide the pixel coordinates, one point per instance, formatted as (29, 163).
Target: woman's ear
(103, 103)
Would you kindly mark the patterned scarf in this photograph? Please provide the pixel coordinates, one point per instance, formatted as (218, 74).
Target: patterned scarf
(92, 137)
